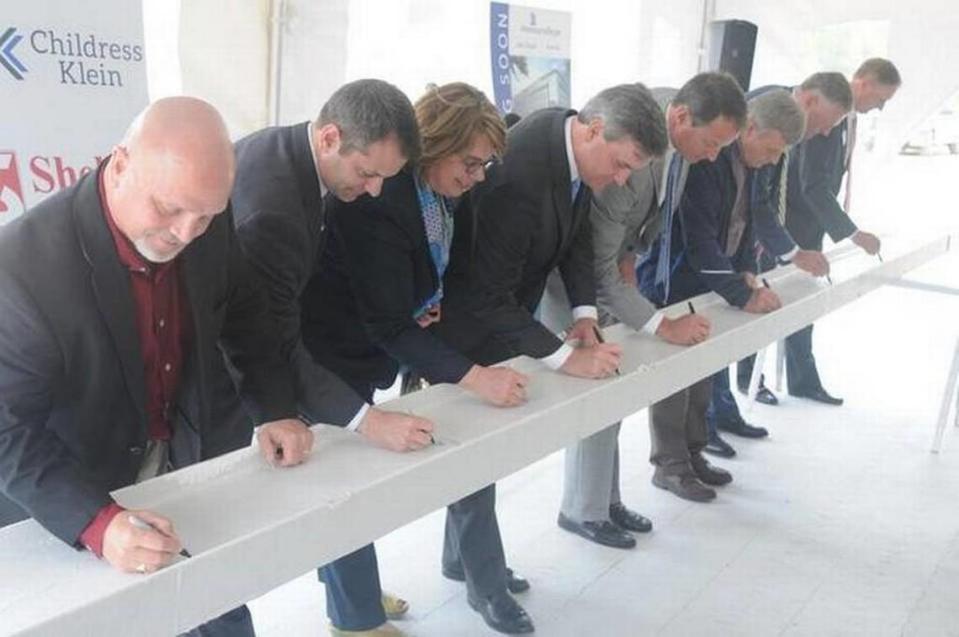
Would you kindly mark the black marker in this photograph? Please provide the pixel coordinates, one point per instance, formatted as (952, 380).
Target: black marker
(599, 337)
(692, 310)
(143, 525)
(766, 283)
(879, 254)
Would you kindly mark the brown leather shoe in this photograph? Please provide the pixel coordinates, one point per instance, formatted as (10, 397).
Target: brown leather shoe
(685, 485)
(707, 473)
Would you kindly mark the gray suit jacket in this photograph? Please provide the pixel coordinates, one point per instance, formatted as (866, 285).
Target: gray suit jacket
(625, 219)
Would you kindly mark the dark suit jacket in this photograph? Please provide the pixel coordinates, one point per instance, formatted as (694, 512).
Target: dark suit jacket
(281, 223)
(522, 224)
(73, 422)
(376, 271)
(765, 211)
(816, 169)
(699, 234)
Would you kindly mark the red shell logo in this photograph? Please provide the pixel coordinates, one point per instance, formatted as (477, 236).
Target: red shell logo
(11, 193)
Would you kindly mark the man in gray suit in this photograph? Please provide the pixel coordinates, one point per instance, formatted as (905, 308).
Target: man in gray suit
(705, 115)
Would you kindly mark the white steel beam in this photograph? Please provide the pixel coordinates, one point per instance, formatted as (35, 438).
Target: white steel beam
(252, 528)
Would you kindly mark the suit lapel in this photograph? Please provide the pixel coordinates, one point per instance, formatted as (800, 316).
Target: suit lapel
(562, 180)
(111, 287)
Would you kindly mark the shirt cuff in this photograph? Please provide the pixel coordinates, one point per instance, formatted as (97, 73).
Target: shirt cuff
(92, 536)
(652, 325)
(354, 424)
(558, 358)
(585, 311)
(789, 255)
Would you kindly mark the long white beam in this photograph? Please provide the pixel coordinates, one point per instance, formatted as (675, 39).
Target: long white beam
(252, 528)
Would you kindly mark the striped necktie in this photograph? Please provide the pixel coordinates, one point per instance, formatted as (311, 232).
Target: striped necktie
(781, 209)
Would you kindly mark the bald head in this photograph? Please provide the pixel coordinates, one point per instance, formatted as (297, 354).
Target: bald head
(170, 176)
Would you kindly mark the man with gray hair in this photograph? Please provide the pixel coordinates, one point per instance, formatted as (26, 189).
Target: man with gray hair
(824, 98)
(531, 215)
(702, 117)
(364, 133)
(711, 246)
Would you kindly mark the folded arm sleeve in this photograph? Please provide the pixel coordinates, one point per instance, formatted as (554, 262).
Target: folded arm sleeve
(379, 254)
(276, 250)
(504, 230)
(764, 205)
(614, 294)
(817, 167)
(37, 470)
(700, 213)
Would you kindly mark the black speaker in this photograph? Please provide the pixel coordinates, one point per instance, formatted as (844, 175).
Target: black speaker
(731, 47)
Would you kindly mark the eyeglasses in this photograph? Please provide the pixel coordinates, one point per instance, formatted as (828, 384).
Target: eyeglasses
(473, 166)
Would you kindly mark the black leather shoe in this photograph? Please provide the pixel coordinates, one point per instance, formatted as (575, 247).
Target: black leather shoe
(716, 446)
(707, 473)
(820, 395)
(629, 520)
(764, 395)
(503, 614)
(685, 485)
(514, 583)
(602, 532)
(741, 428)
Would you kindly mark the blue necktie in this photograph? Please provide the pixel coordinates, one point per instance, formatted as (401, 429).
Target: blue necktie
(666, 236)
(574, 188)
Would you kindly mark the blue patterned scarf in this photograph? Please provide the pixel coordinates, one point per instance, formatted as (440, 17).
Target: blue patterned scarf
(439, 235)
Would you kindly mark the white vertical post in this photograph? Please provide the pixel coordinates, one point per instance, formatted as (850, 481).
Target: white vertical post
(780, 363)
(946, 399)
(754, 380)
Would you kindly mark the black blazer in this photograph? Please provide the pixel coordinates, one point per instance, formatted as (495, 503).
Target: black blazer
(376, 271)
(73, 422)
(522, 224)
(816, 168)
(281, 222)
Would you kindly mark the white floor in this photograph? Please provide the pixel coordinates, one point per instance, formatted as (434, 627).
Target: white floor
(840, 523)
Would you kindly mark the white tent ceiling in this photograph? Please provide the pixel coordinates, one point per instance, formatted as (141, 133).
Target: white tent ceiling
(228, 50)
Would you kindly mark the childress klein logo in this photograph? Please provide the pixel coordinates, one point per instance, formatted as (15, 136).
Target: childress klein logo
(8, 59)
(11, 192)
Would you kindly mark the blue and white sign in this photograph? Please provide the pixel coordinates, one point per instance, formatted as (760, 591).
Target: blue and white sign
(529, 55)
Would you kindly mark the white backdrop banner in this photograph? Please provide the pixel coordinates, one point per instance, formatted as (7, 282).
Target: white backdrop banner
(72, 77)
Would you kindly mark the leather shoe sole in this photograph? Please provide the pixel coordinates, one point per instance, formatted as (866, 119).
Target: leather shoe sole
(604, 532)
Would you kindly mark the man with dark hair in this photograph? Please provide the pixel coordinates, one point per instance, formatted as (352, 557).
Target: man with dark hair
(710, 245)
(824, 98)
(816, 173)
(532, 215)
(703, 117)
(365, 133)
